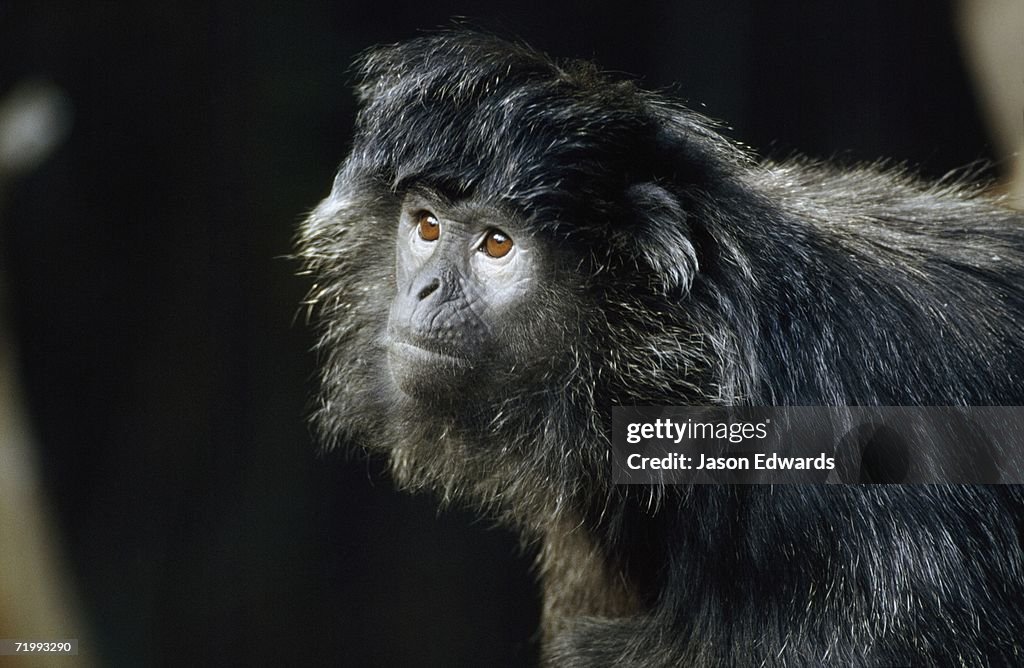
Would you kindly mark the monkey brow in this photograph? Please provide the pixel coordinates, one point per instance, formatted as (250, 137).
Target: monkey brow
(443, 189)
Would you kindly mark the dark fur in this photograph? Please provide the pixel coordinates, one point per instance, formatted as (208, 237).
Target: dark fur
(690, 273)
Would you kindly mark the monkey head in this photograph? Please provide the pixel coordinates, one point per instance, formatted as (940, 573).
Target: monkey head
(490, 256)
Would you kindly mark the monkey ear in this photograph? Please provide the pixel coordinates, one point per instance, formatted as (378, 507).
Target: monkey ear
(660, 237)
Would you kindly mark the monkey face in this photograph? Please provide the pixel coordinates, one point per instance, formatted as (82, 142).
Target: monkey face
(463, 277)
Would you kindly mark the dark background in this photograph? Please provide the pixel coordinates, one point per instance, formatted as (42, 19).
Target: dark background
(167, 367)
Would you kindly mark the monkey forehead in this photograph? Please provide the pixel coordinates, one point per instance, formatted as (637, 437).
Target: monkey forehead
(471, 113)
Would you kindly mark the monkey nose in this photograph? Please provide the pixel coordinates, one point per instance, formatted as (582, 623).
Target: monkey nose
(428, 289)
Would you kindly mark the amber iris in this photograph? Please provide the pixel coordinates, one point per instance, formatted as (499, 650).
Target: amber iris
(496, 244)
(429, 228)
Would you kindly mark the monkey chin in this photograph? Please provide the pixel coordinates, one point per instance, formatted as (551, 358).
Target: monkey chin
(429, 375)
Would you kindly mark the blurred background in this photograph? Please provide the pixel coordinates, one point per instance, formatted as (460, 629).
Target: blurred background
(161, 497)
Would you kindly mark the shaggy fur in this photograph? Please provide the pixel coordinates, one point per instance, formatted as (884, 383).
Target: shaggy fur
(687, 272)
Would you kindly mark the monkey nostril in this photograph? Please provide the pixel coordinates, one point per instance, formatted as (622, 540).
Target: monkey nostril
(429, 289)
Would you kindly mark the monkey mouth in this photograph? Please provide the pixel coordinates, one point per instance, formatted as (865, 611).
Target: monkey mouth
(427, 374)
(425, 354)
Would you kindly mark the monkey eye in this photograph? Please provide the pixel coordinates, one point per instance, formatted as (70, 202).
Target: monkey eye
(428, 226)
(496, 244)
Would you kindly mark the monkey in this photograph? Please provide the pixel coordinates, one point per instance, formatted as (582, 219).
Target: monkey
(515, 244)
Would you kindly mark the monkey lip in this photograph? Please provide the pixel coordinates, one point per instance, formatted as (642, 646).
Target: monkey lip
(419, 354)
